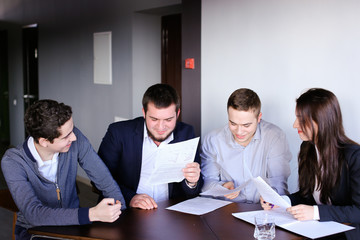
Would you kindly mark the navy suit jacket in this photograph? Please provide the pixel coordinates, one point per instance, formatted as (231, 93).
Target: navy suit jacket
(345, 197)
(121, 151)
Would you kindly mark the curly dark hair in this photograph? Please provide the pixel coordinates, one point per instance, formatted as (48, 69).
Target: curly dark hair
(44, 118)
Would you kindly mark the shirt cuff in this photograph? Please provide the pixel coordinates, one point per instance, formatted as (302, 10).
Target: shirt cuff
(316, 213)
(83, 216)
(287, 199)
(187, 184)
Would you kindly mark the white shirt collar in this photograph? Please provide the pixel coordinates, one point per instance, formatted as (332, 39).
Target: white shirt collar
(35, 153)
(47, 169)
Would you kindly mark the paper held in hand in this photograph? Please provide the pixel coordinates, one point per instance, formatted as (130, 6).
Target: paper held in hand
(171, 159)
(263, 188)
(269, 194)
(220, 191)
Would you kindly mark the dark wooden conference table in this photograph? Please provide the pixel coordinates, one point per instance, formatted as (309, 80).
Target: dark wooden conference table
(164, 224)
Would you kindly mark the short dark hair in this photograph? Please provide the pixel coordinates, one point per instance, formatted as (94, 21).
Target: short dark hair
(44, 118)
(162, 95)
(244, 99)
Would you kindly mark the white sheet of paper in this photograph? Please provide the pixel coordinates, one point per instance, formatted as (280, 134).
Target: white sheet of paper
(280, 215)
(310, 229)
(269, 194)
(198, 205)
(220, 191)
(315, 229)
(171, 159)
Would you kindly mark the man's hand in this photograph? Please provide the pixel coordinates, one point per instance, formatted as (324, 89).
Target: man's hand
(230, 186)
(143, 201)
(105, 211)
(192, 173)
(302, 212)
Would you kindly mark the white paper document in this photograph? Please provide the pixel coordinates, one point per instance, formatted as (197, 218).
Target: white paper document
(171, 159)
(269, 194)
(310, 229)
(220, 191)
(198, 205)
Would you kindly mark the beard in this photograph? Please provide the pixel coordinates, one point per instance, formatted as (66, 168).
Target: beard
(157, 139)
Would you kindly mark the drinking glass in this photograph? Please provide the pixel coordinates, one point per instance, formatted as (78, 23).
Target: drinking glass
(264, 227)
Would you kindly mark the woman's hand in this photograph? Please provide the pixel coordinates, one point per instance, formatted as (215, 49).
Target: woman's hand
(302, 212)
(265, 205)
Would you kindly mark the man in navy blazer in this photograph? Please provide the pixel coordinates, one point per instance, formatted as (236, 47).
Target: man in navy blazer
(129, 146)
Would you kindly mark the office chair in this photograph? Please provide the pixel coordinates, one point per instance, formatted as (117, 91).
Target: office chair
(8, 203)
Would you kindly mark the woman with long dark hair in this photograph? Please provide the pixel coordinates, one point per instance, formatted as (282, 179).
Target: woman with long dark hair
(329, 162)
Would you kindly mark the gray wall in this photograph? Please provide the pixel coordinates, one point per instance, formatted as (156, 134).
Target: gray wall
(66, 63)
(66, 58)
(280, 48)
(146, 56)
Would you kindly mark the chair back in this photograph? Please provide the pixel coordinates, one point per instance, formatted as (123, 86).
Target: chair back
(7, 202)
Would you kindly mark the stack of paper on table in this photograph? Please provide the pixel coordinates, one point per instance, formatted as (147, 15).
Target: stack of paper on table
(199, 205)
(311, 229)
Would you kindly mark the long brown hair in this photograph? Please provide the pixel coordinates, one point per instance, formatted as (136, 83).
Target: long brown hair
(321, 107)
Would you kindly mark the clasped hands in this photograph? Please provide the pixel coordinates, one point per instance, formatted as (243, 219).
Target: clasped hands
(191, 173)
(300, 212)
(106, 211)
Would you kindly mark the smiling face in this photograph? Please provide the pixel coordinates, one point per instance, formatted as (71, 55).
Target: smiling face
(242, 125)
(63, 142)
(160, 122)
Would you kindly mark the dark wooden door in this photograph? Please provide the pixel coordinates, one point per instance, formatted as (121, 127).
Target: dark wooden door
(4, 90)
(30, 65)
(171, 51)
(30, 58)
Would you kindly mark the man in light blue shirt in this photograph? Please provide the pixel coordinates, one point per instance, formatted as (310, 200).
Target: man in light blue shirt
(245, 148)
